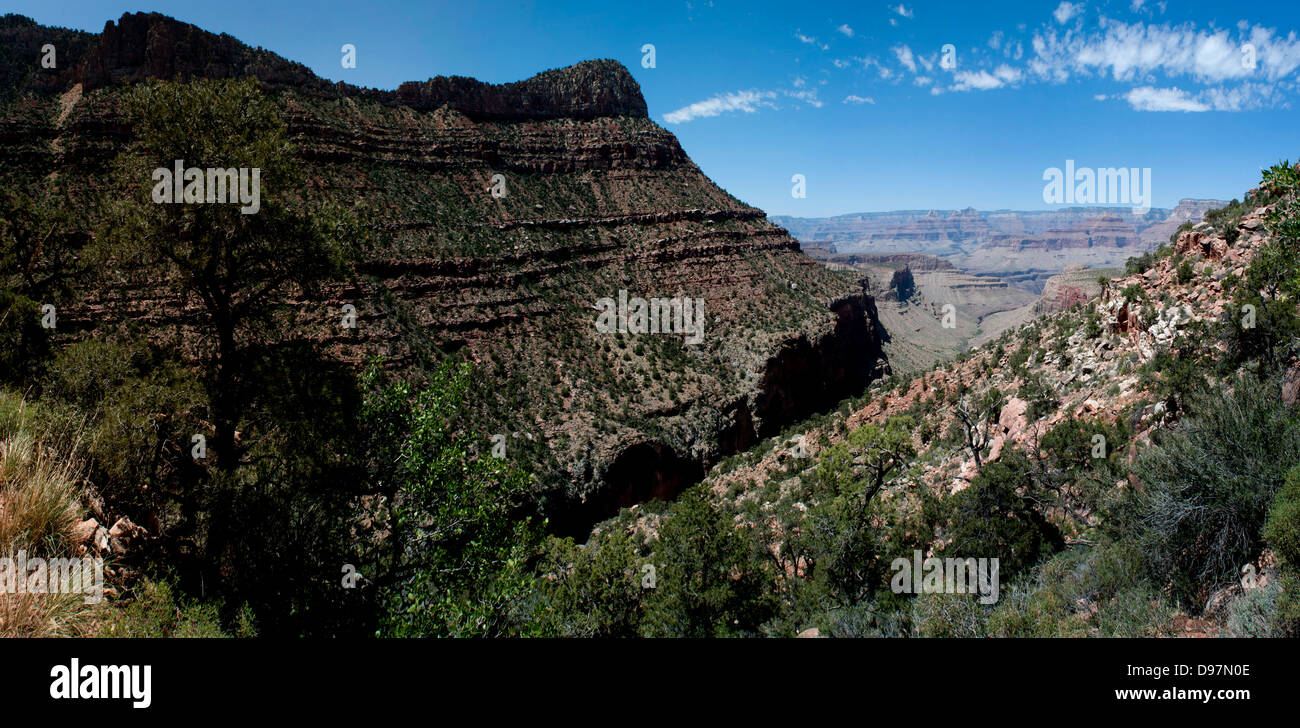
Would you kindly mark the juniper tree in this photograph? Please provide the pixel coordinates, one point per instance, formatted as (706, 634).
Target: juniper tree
(238, 268)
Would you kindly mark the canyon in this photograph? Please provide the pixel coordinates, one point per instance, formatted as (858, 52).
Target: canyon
(1024, 248)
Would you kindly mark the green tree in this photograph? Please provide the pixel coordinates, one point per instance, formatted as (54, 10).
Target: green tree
(39, 243)
(238, 267)
(707, 583)
(458, 553)
(976, 415)
(996, 516)
(595, 590)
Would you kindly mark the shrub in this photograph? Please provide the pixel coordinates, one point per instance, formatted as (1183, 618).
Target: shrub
(155, 610)
(948, 615)
(1254, 613)
(1208, 484)
(996, 517)
(594, 590)
(460, 551)
(708, 583)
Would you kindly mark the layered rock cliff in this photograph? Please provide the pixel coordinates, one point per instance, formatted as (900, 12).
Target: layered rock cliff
(501, 215)
(1025, 248)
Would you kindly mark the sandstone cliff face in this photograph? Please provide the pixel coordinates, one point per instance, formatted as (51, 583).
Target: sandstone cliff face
(596, 199)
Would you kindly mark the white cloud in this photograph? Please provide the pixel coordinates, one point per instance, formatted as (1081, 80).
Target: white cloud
(746, 101)
(904, 55)
(855, 99)
(1242, 98)
(978, 80)
(881, 69)
(983, 80)
(846, 30)
(902, 11)
(1065, 11)
(1099, 97)
(808, 96)
(1136, 5)
(810, 40)
(840, 63)
(1146, 98)
(1136, 52)
(922, 80)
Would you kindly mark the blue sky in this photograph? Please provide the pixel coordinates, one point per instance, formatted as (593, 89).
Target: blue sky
(855, 96)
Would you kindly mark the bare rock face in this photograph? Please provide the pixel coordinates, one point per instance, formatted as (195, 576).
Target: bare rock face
(1198, 242)
(124, 536)
(583, 91)
(902, 285)
(84, 531)
(1075, 285)
(142, 46)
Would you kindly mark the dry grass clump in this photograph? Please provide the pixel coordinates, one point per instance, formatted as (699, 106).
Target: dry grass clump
(39, 477)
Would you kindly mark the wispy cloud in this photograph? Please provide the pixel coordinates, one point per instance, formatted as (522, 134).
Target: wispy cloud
(984, 80)
(1146, 98)
(1134, 51)
(904, 55)
(855, 99)
(902, 11)
(846, 30)
(744, 101)
(810, 40)
(1235, 98)
(1065, 11)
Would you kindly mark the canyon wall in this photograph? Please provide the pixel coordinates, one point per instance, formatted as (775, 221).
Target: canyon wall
(498, 216)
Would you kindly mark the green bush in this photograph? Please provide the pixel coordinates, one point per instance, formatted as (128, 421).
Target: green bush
(949, 615)
(461, 555)
(593, 590)
(708, 581)
(1255, 613)
(1282, 529)
(996, 517)
(154, 609)
(1208, 484)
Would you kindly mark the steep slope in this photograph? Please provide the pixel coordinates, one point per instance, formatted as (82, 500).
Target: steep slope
(1108, 365)
(501, 216)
